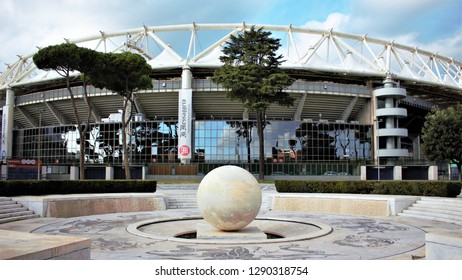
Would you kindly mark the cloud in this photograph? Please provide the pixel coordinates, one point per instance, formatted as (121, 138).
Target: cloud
(334, 21)
(448, 46)
(427, 24)
(27, 24)
(424, 23)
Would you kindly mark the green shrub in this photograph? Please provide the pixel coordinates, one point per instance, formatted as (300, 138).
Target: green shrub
(46, 187)
(416, 188)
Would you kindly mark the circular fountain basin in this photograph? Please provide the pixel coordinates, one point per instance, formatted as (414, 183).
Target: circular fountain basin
(184, 230)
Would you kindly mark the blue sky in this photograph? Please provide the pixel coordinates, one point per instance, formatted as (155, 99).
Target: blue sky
(434, 25)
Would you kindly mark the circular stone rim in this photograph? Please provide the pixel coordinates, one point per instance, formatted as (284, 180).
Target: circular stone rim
(325, 229)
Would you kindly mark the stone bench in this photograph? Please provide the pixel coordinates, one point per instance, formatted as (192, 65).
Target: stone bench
(76, 205)
(350, 204)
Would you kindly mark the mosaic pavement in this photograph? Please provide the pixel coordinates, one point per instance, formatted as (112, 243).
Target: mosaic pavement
(352, 238)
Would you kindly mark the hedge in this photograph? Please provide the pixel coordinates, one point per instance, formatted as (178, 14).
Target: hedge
(47, 187)
(416, 188)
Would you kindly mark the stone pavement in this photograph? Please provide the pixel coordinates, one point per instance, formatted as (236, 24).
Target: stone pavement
(350, 237)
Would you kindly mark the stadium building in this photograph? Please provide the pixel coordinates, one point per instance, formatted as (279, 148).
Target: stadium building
(360, 104)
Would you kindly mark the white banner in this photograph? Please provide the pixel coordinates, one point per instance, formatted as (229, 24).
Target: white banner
(4, 143)
(184, 123)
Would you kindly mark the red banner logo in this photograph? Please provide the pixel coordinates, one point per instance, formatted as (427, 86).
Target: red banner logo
(184, 150)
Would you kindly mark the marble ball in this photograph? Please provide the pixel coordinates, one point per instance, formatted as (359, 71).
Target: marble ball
(229, 198)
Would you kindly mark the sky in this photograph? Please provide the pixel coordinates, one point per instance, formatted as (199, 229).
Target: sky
(434, 25)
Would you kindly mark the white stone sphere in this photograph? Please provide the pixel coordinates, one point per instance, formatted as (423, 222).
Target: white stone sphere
(229, 198)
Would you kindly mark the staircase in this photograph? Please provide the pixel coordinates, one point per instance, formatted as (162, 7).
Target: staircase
(187, 200)
(184, 196)
(11, 211)
(184, 199)
(447, 210)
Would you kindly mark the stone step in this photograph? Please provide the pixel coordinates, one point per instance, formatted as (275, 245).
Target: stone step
(10, 210)
(188, 201)
(16, 214)
(441, 199)
(432, 215)
(19, 218)
(437, 208)
(441, 209)
(182, 206)
(440, 204)
(9, 206)
(6, 202)
(420, 216)
(182, 202)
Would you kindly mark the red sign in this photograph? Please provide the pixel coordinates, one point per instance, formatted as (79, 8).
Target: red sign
(184, 150)
(23, 163)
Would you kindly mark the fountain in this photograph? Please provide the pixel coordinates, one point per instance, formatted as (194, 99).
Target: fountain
(229, 199)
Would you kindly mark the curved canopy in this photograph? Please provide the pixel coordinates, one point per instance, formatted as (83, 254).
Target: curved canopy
(318, 53)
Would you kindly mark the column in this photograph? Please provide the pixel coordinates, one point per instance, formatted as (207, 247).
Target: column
(398, 173)
(185, 129)
(7, 131)
(433, 173)
(363, 173)
(109, 175)
(74, 173)
(7, 126)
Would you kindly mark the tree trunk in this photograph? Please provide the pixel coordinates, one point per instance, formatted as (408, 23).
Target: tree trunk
(82, 153)
(124, 146)
(261, 157)
(125, 122)
(125, 150)
(79, 128)
(83, 128)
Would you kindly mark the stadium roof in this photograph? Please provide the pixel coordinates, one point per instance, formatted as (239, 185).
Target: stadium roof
(321, 55)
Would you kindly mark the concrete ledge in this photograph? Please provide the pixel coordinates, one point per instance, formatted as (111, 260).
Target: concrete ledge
(67, 206)
(445, 245)
(353, 204)
(32, 246)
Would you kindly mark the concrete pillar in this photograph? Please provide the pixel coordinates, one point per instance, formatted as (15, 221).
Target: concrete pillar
(185, 123)
(363, 172)
(74, 173)
(433, 173)
(143, 172)
(44, 172)
(7, 131)
(4, 172)
(109, 173)
(398, 173)
(7, 126)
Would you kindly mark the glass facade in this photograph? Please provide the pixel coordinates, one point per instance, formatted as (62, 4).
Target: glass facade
(291, 147)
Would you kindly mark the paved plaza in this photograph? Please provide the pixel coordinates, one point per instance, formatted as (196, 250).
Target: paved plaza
(155, 235)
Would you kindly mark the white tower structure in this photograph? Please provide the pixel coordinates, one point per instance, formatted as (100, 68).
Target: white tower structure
(387, 112)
